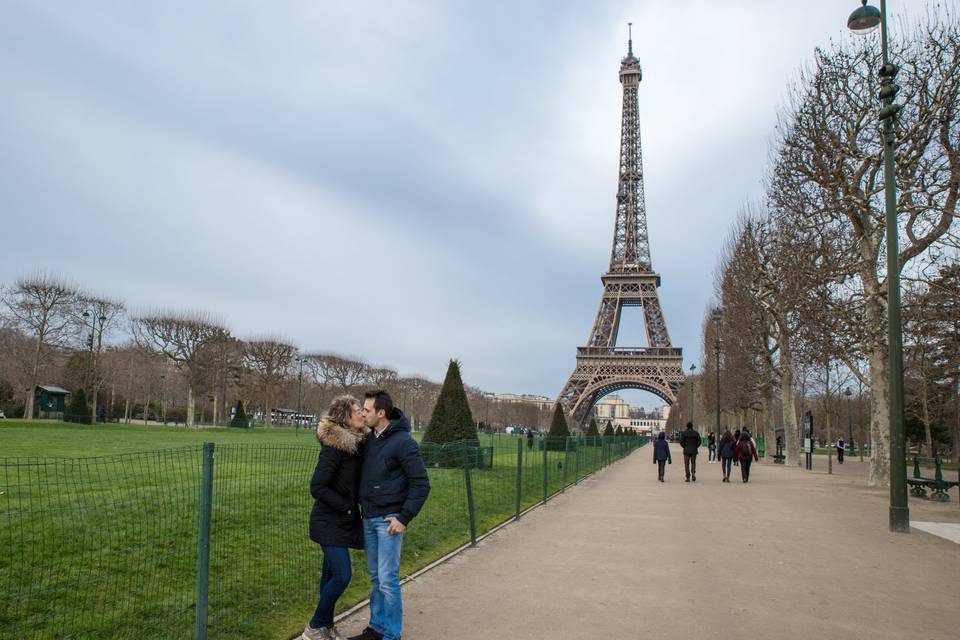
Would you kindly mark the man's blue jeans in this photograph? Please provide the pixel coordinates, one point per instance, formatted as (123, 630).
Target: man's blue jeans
(333, 582)
(383, 564)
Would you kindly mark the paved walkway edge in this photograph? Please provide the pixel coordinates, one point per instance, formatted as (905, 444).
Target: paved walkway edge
(436, 563)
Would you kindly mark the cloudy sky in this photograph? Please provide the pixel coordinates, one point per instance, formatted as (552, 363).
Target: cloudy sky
(401, 181)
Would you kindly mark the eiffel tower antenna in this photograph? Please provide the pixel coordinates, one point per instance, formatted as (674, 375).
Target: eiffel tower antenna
(602, 366)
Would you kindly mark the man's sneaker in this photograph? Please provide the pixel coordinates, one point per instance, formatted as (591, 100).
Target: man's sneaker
(367, 634)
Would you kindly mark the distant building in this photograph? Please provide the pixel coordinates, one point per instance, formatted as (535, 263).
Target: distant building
(616, 410)
(542, 402)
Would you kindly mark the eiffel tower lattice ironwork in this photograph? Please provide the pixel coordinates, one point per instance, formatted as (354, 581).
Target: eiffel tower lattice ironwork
(602, 366)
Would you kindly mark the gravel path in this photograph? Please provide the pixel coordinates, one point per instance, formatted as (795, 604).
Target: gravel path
(792, 554)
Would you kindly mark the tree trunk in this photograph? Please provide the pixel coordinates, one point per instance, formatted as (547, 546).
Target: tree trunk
(879, 419)
(955, 440)
(146, 409)
(826, 412)
(32, 391)
(769, 431)
(216, 416)
(126, 411)
(190, 405)
(789, 416)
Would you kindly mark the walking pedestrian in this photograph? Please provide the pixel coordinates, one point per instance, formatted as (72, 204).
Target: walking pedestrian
(690, 441)
(661, 454)
(529, 438)
(841, 448)
(711, 448)
(727, 450)
(335, 519)
(736, 439)
(393, 489)
(747, 452)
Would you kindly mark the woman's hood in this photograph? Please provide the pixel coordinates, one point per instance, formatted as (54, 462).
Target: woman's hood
(331, 434)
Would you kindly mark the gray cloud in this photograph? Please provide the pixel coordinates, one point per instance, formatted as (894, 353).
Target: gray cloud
(406, 182)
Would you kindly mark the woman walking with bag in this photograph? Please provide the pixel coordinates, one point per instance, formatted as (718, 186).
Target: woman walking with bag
(747, 452)
(335, 522)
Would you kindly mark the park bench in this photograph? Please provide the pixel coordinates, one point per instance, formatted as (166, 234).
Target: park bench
(779, 457)
(939, 486)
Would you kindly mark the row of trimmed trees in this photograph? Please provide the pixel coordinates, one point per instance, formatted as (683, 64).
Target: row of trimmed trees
(801, 284)
(188, 367)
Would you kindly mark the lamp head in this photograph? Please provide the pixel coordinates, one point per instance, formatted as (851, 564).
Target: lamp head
(864, 19)
(716, 314)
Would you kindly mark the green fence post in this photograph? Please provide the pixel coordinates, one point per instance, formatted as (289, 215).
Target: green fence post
(519, 475)
(546, 470)
(576, 461)
(203, 541)
(566, 460)
(470, 509)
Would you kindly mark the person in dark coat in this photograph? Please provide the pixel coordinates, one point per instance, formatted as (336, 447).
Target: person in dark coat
(736, 438)
(661, 454)
(841, 448)
(727, 449)
(747, 453)
(335, 519)
(711, 447)
(690, 441)
(393, 488)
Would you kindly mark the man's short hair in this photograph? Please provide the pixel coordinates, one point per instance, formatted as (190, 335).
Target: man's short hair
(381, 401)
(689, 425)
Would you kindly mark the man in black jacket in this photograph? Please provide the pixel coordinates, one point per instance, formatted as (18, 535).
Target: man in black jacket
(690, 441)
(393, 488)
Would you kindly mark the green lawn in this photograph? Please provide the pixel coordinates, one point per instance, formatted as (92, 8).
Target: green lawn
(103, 543)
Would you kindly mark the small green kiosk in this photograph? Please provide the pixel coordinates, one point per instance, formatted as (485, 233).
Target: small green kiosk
(49, 402)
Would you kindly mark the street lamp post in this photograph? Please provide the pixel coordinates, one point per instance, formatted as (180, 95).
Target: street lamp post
(163, 402)
(848, 393)
(693, 395)
(717, 315)
(864, 20)
(299, 394)
(86, 374)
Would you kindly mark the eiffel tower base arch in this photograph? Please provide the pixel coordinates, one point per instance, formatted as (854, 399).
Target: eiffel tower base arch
(601, 371)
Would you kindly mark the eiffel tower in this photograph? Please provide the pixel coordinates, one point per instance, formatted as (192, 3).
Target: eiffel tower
(602, 366)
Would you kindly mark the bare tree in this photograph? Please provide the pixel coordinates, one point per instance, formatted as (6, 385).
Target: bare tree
(181, 337)
(829, 174)
(95, 318)
(40, 307)
(269, 359)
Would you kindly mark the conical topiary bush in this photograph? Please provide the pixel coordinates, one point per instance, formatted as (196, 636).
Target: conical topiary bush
(608, 430)
(451, 420)
(240, 417)
(592, 430)
(78, 410)
(558, 425)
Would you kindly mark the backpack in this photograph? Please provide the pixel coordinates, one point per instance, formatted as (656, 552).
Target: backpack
(745, 450)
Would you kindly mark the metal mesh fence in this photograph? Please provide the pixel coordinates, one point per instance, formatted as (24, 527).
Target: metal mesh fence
(109, 546)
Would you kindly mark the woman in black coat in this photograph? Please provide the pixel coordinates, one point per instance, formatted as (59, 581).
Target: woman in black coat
(661, 454)
(335, 519)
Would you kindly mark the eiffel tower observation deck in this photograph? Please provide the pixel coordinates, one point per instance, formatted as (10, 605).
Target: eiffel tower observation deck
(603, 366)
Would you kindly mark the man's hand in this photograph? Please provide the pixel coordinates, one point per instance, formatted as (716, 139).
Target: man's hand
(395, 526)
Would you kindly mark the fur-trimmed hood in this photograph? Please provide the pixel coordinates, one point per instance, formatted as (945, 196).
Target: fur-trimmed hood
(330, 434)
